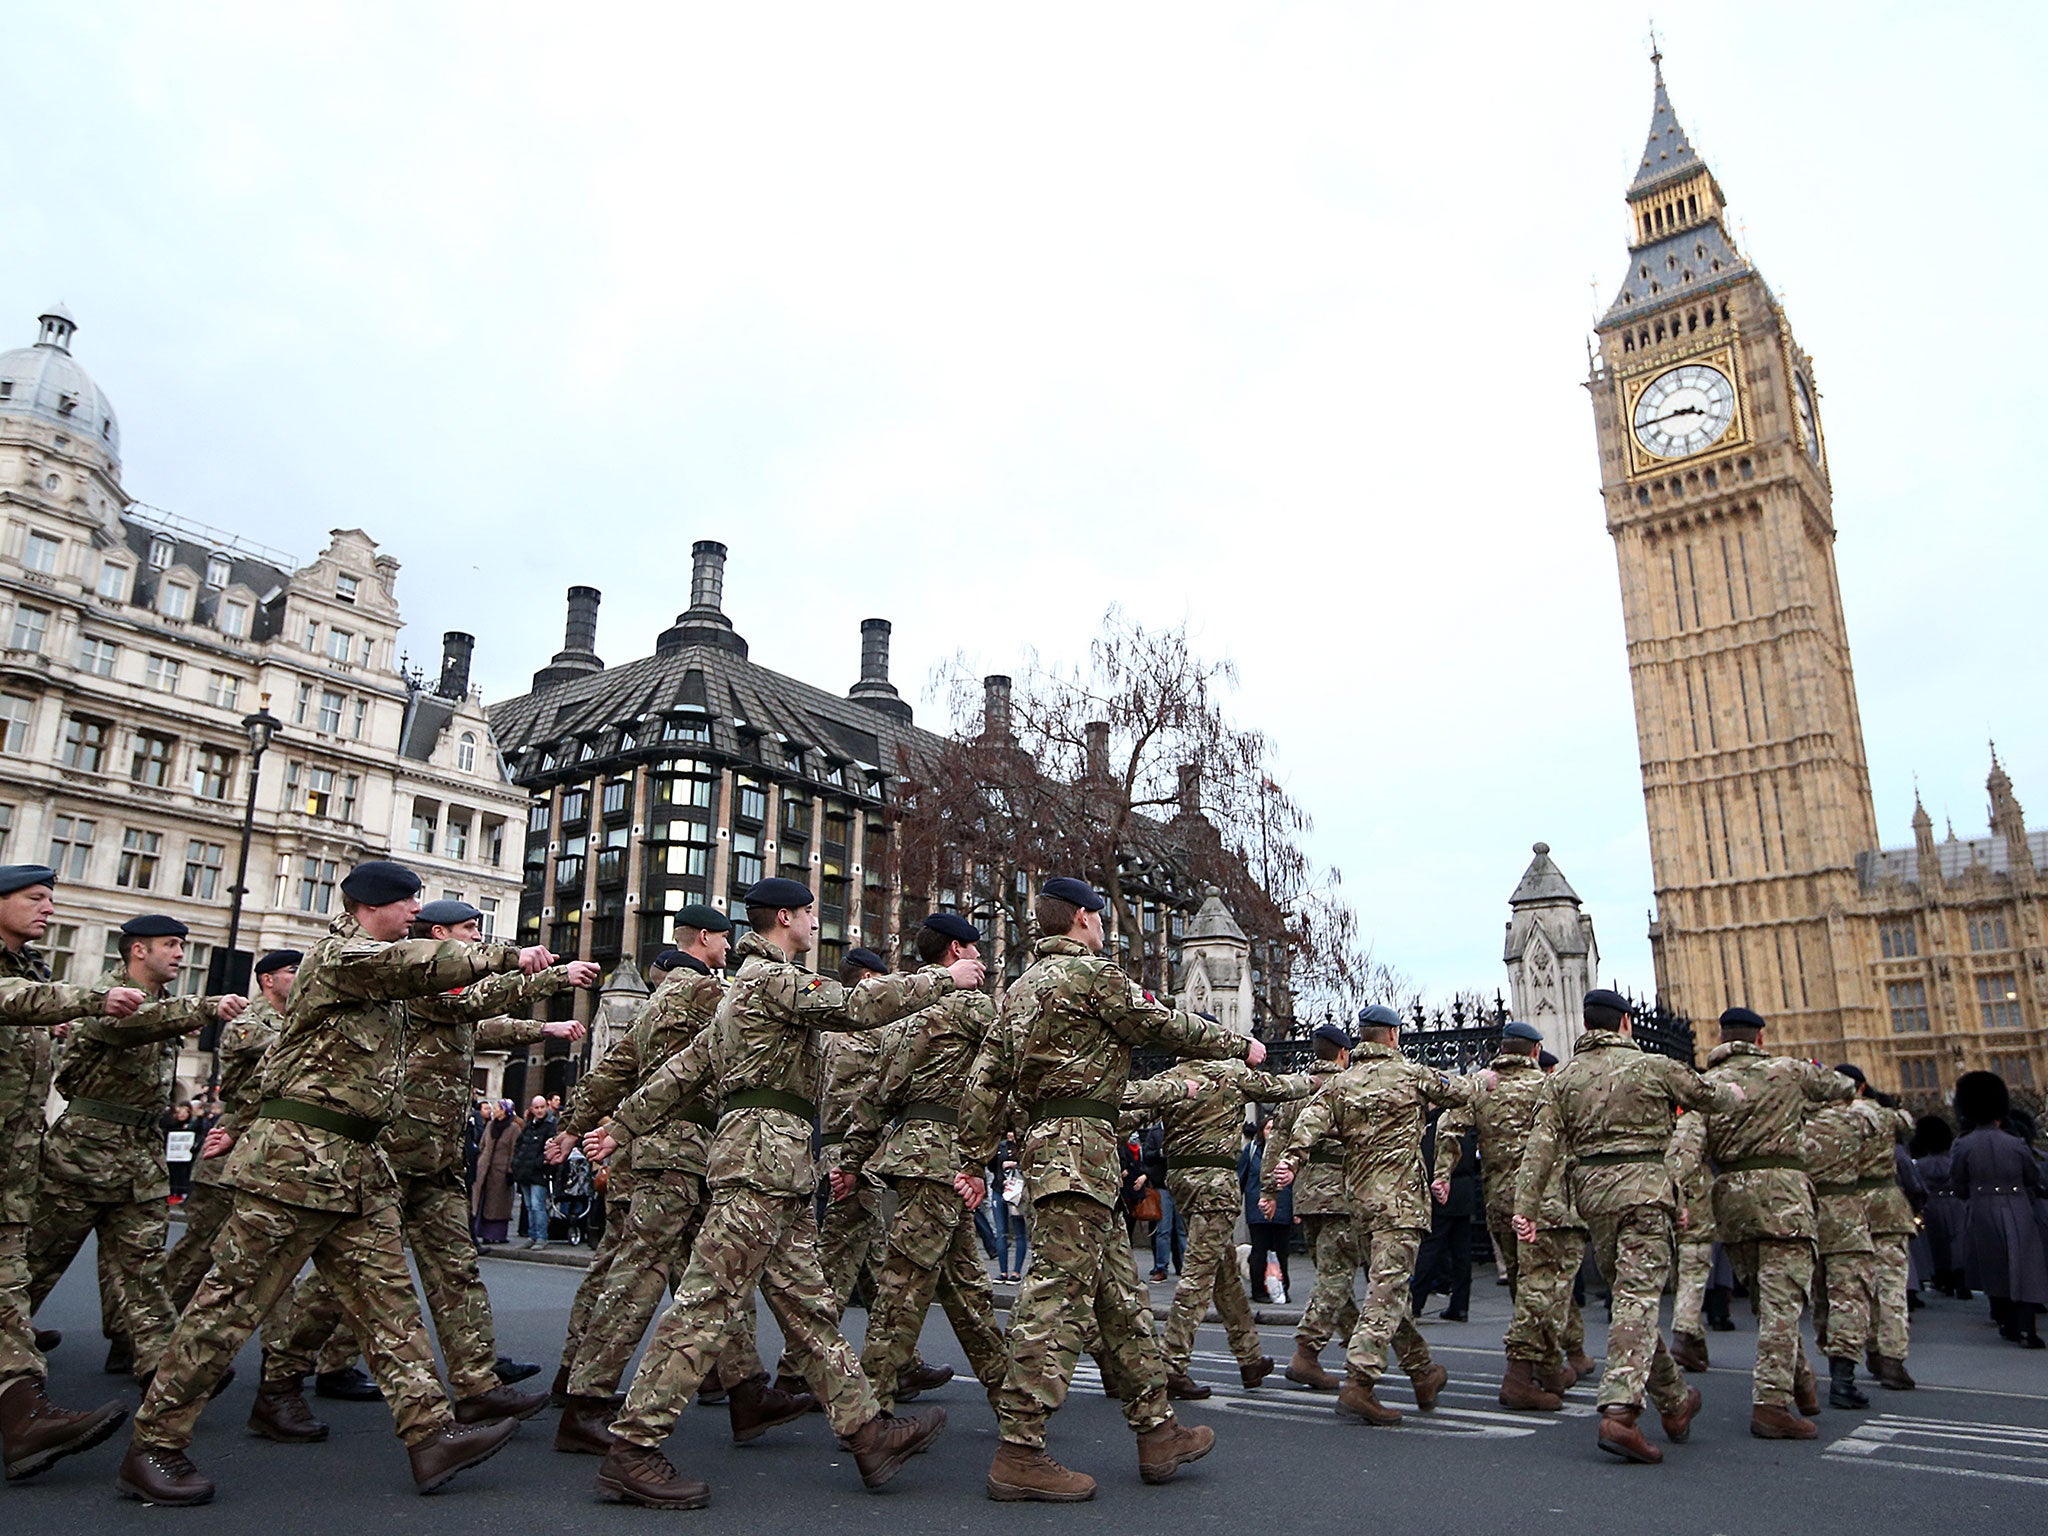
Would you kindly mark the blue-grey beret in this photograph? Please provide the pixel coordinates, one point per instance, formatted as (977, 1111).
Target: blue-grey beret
(447, 914)
(1378, 1016)
(953, 926)
(19, 877)
(1079, 892)
(1545, 1060)
(1515, 1029)
(278, 960)
(868, 960)
(379, 882)
(777, 892)
(1334, 1034)
(153, 925)
(701, 914)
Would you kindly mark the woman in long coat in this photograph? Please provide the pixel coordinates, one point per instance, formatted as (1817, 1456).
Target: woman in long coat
(1994, 1173)
(490, 1202)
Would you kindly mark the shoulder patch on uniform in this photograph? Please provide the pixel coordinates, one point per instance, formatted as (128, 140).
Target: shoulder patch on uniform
(814, 983)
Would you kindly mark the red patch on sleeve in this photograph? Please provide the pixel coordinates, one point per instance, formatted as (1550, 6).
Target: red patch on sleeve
(814, 983)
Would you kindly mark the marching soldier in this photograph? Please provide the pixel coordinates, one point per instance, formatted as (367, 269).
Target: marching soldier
(1693, 1265)
(1324, 1206)
(34, 1432)
(1610, 1110)
(1846, 1282)
(1376, 1110)
(1892, 1228)
(1061, 1047)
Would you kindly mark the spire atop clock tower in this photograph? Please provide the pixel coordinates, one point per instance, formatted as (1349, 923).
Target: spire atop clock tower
(1675, 205)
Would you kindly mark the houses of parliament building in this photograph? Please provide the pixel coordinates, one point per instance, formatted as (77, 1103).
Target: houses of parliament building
(1772, 886)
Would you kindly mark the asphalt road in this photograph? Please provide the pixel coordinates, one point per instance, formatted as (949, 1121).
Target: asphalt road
(1970, 1446)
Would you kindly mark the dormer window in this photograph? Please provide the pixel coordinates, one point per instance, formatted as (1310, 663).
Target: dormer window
(345, 587)
(66, 404)
(41, 553)
(176, 601)
(159, 554)
(234, 620)
(6, 389)
(113, 581)
(217, 571)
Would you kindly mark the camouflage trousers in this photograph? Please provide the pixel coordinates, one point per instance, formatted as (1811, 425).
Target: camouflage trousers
(1843, 1299)
(652, 1251)
(1081, 1288)
(749, 1237)
(206, 1211)
(849, 1237)
(1209, 1203)
(131, 1238)
(1890, 1321)
(20, 1360)
(433, 1216)
(1547, 1328)
(1633, 1249)
(1688, 1306)
(311, 1307)
(1388, 1256)
(932, 1253)
(617, 1213)
(1332, 1309)
(256, 1260)
(1776, 1271)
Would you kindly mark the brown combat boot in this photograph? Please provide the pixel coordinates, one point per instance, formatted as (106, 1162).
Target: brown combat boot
(1428, 1382)
(501, 1402)
(756, 1407)
(1620, 1437)
(1678, 1422)
(1184, 1388)
(1582, 1366)
(920, 1377)
(158, 1476)
(457, 1448)
(1306, 1370)
(1805, 1386)
(1557, 1378)
(1251, 1375)
(885, 1442)
(1020, 1474)
(280, 1413)
(1357, 1403)
(1519, 1389)
(712, 1393)
(1689, 1350)
(35, 1433)
(1164, 1449)
(586, 1427)
(1774, 1421)
(639, 1474)
(1891, 1373)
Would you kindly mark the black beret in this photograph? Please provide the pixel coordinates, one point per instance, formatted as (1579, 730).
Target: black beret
(153, 925)
(867, 960)
(447, 914)
(1545, 1060)
(953, 926)
(19, 877)
(1741, 1018)
(1854, 1074)
(1378, 1016)
(668, 959)
(1079, 892)
(1333, 1034)
(1517, 1030)
(701, 914)
(777, 892)
(379, 882)
(278, 960)
(1601, 997)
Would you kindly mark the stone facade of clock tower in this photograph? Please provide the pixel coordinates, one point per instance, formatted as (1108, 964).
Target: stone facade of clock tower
(1714, 475)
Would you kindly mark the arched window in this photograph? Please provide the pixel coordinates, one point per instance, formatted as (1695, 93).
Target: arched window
(465, 752)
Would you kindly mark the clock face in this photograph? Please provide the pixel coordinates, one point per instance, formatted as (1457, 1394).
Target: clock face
(1685, 410)
(1809, 419)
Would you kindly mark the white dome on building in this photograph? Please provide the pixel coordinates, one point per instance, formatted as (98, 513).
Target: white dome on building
(46, 382)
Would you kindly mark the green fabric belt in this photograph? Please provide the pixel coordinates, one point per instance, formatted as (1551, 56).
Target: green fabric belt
(1073, 1109)
(1327, 1159)
(1834, 1189)
(354, 1127)
(924, 1109)
(702, 1117)
(772, 1098)
(1609, 1159)
(120, 1114)
(832, 1140)
(1758, 1164)
(1877, 1181)
(1178, 1164)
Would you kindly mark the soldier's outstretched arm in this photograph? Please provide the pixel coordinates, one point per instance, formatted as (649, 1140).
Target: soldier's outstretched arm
(604, 1087)
(1688, 1088)
(1448, 1092)
(1824, 1085)
(1173, 1086)
(1316, 1120)
(683, 1077)
(990, 1083)
(164, 1019)
(494, 995)
(822, 1003)
(413, 968)
(1687, 1146)
(1140, 1019)
(24, 1001)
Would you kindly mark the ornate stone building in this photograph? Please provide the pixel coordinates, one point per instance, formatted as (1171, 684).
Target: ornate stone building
(1715, 478)
(1552, 957)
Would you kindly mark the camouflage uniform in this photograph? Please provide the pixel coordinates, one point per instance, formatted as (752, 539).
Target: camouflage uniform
(29, 1004)
(1610, 1109)
(1892, 1227)
(103, 1161)
(763, 1226)
(1322, 1203)
(931, 1247)
(616, 1072)
(1503, 1114)
(1061, 1048)
(310, 1181)
(850, 1235)
(1694, 1263)
(1836, 1150)
(243, 1042)
(424, 1148)
(1762, 1201)
(1375, 1108)
(1203, 1138)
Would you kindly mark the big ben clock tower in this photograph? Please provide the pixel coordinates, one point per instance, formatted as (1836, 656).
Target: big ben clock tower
(1714, 472)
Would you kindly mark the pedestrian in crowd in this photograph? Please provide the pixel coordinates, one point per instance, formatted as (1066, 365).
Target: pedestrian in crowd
(179, 1141)
(1444, 1262)
(1013, 1207)
(473, 1127)
(531, 1173)
(490, 1200)
(1169, 1231)
(1940, 1244)
(1270, 1235)
(1995, 1174)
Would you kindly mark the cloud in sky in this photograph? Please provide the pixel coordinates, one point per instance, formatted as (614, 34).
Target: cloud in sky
(1273, 318)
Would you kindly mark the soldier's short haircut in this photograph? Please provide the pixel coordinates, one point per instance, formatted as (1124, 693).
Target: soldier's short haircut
(1599, 1017)
(1379, 1034)
(1511, 1047)
(129, 944)
(932, 944)
(1327, 1050)
(851, 971)
(685, 937)
(761, 919)
(1741, 1031)
(1055, 918)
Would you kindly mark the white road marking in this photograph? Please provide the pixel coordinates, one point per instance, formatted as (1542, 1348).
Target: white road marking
(1948, 1448)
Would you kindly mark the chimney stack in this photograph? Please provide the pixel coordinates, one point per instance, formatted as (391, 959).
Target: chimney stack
(995, 708)
(456, 649)
(704, 621)
(578, 655)
(1190, 789)
(874, 688)
(1098, 749)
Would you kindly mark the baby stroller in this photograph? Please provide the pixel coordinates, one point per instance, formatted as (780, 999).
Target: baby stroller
(570, 1197)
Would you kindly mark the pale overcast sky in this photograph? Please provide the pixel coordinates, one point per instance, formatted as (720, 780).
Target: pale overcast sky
(1273, 317)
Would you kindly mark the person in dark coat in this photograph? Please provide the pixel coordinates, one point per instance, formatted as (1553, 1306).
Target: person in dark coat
(490, 1197)
(1269, 1238)
(1444, 1262)
(1997, 1177)
(1940, 1243)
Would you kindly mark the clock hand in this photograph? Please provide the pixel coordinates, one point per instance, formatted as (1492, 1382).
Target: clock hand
(1690, 410)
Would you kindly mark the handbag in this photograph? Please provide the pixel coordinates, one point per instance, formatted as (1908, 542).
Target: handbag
(1148, 1207)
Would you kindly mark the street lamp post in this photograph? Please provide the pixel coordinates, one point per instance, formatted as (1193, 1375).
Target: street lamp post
(260, 728)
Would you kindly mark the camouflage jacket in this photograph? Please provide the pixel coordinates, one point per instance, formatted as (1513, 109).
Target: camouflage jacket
(29, 1004)
(1885, 1205)
(129, 1065)
(1065, 1031)
(446, 1032)
(1319, 1188)
(1610, 1108)
(244, 1041)
(1834, 1146)
(342, 1049)
(1503, 1115)
(922, 1082)
(1758, 1148)
(672, 1027)
(1376, 1108)
(854, 1064)
(764, 1041)
(1205, 1134)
